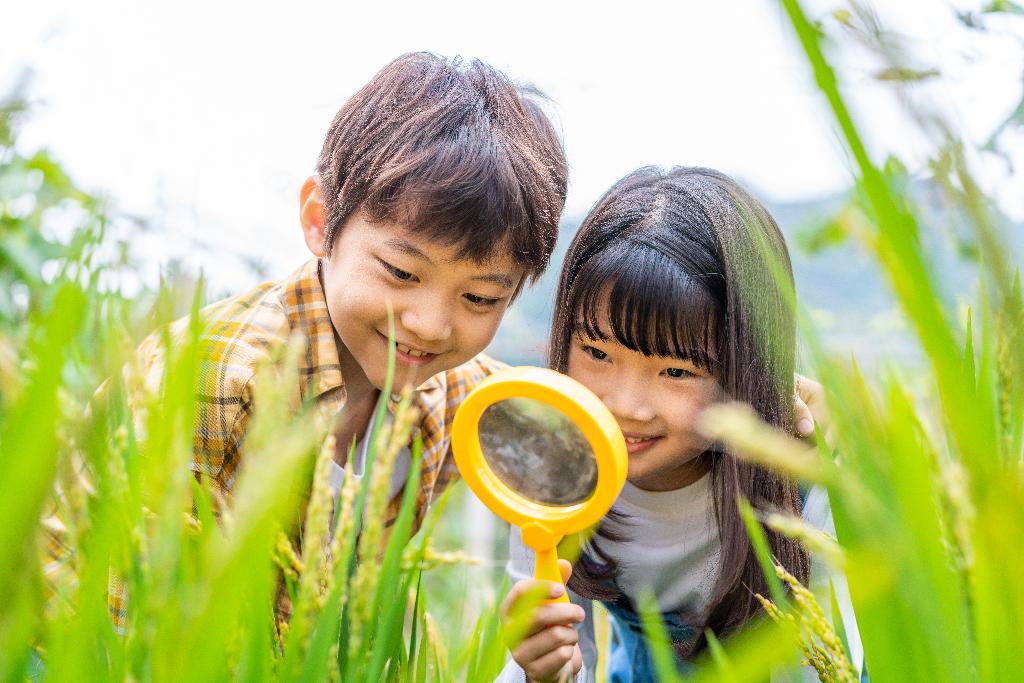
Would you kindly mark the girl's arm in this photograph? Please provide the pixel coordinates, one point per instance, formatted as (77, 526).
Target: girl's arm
(520, 568)
(817, 512)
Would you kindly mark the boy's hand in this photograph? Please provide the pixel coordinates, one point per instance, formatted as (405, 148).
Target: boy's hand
(540, 635)
(809, 409)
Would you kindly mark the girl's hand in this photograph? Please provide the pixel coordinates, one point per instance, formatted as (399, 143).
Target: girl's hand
(540, 635)
(809, 409)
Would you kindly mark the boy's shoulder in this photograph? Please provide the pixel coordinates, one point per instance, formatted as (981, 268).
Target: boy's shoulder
(458, 382)
(238, 334)
(241, 332)
(465, 377)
